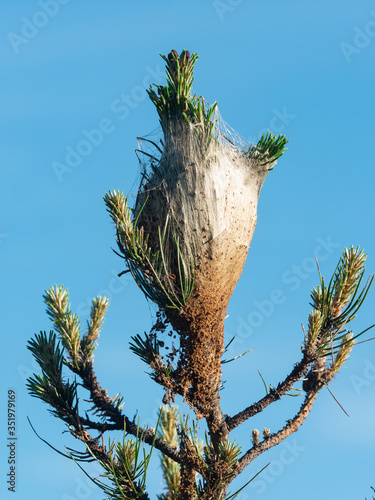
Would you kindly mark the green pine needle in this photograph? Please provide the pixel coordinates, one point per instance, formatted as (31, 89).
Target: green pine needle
(50, 386)
(335, 305)
(147, 348)
(269, 148)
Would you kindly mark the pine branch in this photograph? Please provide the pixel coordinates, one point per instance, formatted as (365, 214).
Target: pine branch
(98, 310)
(334, 307)
(275, 439)
(299, 371)
(121, 463)
(62, 396)
(66, 323)
(50, 386)
(113, 413)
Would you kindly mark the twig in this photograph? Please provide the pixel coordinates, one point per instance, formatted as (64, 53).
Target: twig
(120, 421)
(275, 439)
(299, 371)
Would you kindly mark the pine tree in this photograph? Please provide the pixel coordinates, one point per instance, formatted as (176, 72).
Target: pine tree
(185, 242)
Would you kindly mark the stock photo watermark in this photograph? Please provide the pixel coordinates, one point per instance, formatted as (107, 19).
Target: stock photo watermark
(115, 285)
(31, 26)
(84, 487)
(365, 379)
(3, 236)
(290, 451)
(291, 280)
(223, 8)
(11, 441)
(362, 39)
(277, 124)
(92, 138)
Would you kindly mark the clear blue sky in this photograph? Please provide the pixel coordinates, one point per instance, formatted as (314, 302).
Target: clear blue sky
(305, 69)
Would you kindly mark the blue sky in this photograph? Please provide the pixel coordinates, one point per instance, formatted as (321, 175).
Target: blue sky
(304, 69)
